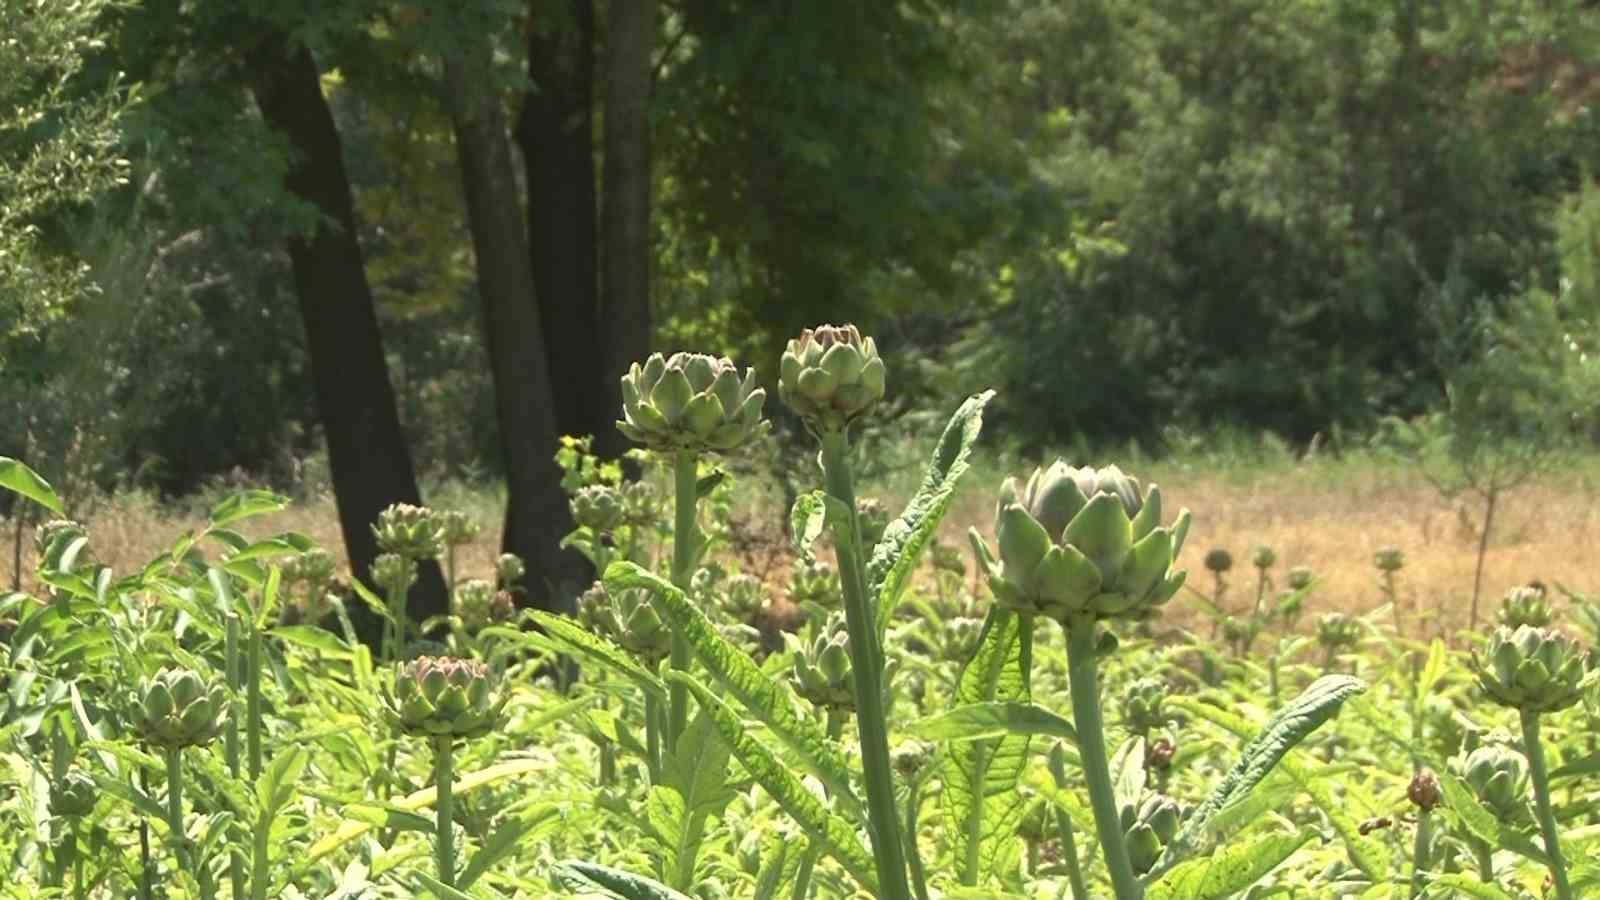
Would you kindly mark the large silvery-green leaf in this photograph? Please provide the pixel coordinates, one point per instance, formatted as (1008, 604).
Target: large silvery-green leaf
(1287, 727)
(992, 719)
(1226, 872)
(568, 635)
(980, 796)
(770, 701)
(829, 831)
(896, 556)
(579, 875)
(694, 790)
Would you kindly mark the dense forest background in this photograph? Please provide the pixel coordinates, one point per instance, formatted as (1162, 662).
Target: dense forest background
(401, 239)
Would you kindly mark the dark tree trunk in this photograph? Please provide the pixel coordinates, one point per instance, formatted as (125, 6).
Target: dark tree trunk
(537, 515)
(556, 133)
(371, 465)
(625, 217)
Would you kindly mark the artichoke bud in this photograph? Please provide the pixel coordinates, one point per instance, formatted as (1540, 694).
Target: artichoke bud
(822, 670)
(503, 608)
(1525, 605)
(1083, 540)
(1389, 559)
(640, 504)
(831, 376)
(1337, 631)
(873, 517)
(1142, 705)
(691, 401)
(946, 558)
(1532, 669)
(73, 795)
(910, 758)
(508, 570)
(394, 571)
(961, 638)
(414, 532)
(314, 567)
(177, 709)
(812, 581)
(1218, 560)
(1160, 754)
(597, 507)
(441, 696)
(1498, 775)
(473, 599)
(1263, 557)
(745, 596)
(1300, 578)
(456, 528)
(1425, 792)
(1148, 830)
(1235, 630)
(629, 618)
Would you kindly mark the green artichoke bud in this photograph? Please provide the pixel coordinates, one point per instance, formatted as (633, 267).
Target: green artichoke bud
(394, 572)
(473, 599)
(1532, 669)
(1263, 557)
(1218, 560)
(831, 376)
(812, 581)
(54, 538)
(745, 596)
(690, 401)
(1290, 605)
(946, 558)
(177, 709)
(1034, 826)
(508, 570)
(313, 568)
(73, 795)
(1235, 630)
(961, 638)
(1425, 792)
(1083, 541)
(1499, 776)
(1142, 706)
(1389, 559)
(1148, 829)
(874, 518)
(628, 618)
(1337, 631)
(641, 505)
(411, 531)
(822, 670)
(910, 758)
(440, 696)
(705, 580)
(1525, 605)
(456, 528)
(1300, 578)
(598, 507)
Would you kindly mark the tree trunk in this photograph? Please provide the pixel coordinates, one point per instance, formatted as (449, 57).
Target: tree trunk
(625, 217)
(537, 515)
(556, 133)
(370, 462)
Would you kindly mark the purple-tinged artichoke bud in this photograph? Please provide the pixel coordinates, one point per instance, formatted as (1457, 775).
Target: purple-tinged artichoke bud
(1532, 669)
(1389, 559)
(1425, 792)
(1300, 578)
(1525, 605)
(1498, 775)
(1143, 706)
(597, 507)
(691, 401)
(457, 529)
(1160, 753)
(508, 570)
(1218, 560)
(831, 376)
(394, 572)
(822, 669)
(177, 709)
(1263, 557)
(411, 531)
(1076, 541)
(441, 696)
(503, 608)
(73, 795)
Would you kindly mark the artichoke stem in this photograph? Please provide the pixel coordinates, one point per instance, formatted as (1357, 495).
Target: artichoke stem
(252, 673)
(1541, 802)
(175, 804)
(652, 737)
(1419, 851)
(1069, 845)
(802, 876)
(867, 666)
(686, 495)
(230, 734)
(1485, 857)
(445, 837)
(1084, 681)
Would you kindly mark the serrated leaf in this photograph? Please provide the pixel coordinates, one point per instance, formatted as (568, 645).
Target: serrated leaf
(897, 553)
(577, 875)
(25, 481)
(1226, 871)
(597, 649)
(697, 776)
(1458, 885)
(831, 833)
(980, 796)
(1287, 727)
(245, 504)
(770, 701)
(992, 719)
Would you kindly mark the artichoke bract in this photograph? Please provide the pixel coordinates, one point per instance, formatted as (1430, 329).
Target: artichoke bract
(831, 376)
(1499, 776)
(1532, 669)
(177, 709)
(822, 669)
(691, 401)
(73, 795)
(440, 696)
(1083, 541)
(414, 532)
(1148, 829)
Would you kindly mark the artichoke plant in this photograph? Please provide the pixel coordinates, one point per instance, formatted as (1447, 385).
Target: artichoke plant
(413, 532)
(597, 506)
(1525, 605)
(831, 376)
(1083, 541)
(1389, 559)
(508, 570)
(440, 696)
(1218, 560)
(73, 795)
(1148, 828)
(177, 709)
(1536, 670)
(1300, 578)
(1263, 557)
(691, 401)
(1498, 775)
(822, 669)
(628, 618)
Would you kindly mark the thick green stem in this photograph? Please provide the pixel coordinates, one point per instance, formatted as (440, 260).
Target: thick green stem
(866, 662)
(652, 737)
(234, 672)
(175, 805)
(919, 876)
(1541, 802)
(685, 537)
(802, 876)
(147, 865)
(1082, 674)
(1419, 852)
(1485, 858)
(1069, 846)
(252, 678)
(444, 839)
